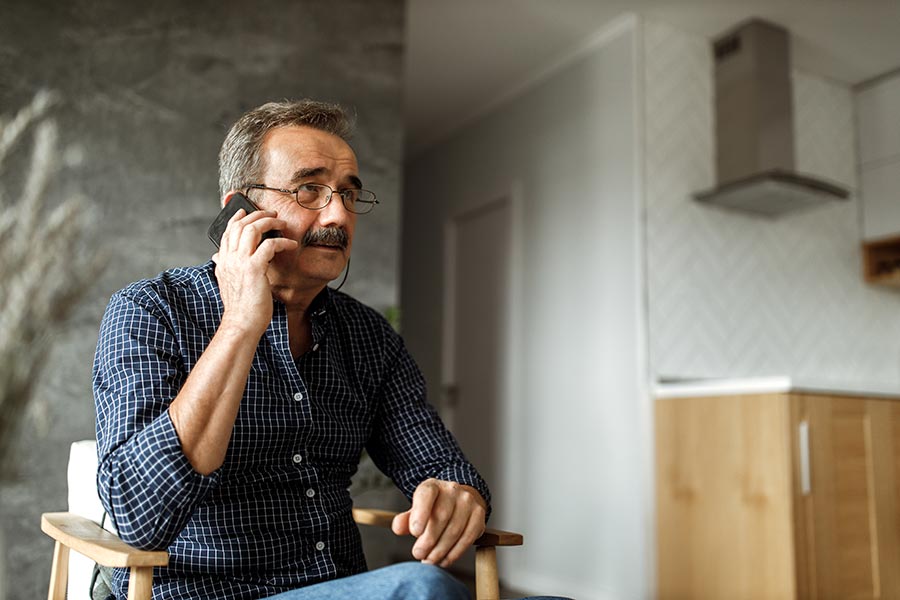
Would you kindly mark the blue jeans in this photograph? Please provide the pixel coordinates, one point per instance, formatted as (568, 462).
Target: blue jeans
(404, 581)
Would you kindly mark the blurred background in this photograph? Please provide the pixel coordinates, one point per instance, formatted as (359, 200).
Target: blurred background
(537, 235)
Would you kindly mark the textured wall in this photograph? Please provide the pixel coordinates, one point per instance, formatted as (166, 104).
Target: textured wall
(150, 90)
(733, 295)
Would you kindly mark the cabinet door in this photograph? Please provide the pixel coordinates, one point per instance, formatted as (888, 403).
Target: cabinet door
(724, 498)
(884, 427)
(878, 113)
(881, 199)
(846, 520)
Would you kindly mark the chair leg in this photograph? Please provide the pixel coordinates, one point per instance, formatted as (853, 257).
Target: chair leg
(487, 585)
(59, 573)
(140, 583)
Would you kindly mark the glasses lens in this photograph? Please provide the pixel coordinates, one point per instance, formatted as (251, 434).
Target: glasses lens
(313, 195)
(358, 201)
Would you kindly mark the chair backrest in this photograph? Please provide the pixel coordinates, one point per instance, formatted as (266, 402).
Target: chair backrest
(83, 501)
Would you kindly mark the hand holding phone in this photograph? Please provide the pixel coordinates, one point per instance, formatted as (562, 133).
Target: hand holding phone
(220, 223)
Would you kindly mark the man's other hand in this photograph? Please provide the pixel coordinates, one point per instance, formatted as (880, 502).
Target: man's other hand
(446, 517)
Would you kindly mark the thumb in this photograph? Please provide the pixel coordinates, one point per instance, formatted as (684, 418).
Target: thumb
(400, 524)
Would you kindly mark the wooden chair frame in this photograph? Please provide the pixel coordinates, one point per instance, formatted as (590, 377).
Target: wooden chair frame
(82, 535)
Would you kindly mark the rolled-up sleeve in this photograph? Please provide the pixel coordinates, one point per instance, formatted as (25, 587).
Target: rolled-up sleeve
(145, 481)
(410, 442)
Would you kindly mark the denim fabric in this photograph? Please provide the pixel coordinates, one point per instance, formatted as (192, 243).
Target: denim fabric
(404, 581)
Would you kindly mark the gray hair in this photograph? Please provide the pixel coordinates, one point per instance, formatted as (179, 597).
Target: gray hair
(240, 159)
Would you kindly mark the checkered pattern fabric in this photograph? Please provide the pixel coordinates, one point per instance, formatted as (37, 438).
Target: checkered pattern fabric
(277, 514)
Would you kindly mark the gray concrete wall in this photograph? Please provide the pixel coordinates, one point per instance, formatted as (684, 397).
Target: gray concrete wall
(149, 91)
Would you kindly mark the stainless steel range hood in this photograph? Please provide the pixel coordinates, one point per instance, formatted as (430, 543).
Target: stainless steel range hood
(755, 127)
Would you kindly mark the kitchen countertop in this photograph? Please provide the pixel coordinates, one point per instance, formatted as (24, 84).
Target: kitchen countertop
(692, 388)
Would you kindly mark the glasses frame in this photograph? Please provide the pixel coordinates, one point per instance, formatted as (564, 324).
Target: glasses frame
(331, 191)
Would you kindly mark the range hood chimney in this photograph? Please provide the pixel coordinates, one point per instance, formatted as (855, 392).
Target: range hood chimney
(755, 127)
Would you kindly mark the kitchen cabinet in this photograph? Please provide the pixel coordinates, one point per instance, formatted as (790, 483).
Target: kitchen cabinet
(880, 189)
(878, 116)
(777, 495)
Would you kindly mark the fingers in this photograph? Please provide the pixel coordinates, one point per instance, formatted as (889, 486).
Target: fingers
(244, 232)
(442, 512)
(446, 517)
(272, 246)
(423, 500)
(228, 236)
(400, 524)
(465, 525)
(474, 529)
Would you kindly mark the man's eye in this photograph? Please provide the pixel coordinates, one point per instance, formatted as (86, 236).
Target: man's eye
(308, 192)
(350, 195)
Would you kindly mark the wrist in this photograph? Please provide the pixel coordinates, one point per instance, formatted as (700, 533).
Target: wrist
(478, 497)
(237, 326)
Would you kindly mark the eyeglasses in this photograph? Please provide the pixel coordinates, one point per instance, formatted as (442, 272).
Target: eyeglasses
(316, 196)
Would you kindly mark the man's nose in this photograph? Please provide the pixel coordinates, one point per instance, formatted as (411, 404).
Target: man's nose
(335, 213)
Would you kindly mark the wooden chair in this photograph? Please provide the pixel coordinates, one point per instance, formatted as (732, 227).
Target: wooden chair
(81, 534)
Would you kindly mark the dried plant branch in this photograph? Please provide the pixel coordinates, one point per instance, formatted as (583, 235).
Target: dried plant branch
(47, 263)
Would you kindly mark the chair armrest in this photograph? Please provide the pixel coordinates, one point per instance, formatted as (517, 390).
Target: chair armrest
(383, 518)
(103, 547)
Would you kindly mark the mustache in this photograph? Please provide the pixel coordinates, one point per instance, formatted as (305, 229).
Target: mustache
(326, 236)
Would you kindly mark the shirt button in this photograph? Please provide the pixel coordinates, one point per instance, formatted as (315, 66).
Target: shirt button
(320, 545)
(298, 396)
(315, 347)
(310, 493)
(298, 459)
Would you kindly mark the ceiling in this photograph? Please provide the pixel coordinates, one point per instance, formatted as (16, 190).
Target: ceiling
(464, 57)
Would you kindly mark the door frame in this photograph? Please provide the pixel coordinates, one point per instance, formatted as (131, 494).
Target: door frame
(509, 413)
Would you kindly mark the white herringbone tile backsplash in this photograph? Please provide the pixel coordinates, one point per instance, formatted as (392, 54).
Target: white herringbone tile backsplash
(731, 295)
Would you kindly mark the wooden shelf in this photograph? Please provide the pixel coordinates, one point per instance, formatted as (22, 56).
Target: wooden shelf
(881, 261)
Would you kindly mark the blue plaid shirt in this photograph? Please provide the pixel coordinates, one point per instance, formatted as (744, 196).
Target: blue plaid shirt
(277, 514)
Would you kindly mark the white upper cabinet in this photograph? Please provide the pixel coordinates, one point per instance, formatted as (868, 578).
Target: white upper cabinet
(878, 114)
(878, 107)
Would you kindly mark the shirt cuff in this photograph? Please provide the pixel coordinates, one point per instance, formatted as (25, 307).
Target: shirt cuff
(165, 466)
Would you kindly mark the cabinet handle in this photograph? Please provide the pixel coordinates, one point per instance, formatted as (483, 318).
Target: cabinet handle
(803, 435)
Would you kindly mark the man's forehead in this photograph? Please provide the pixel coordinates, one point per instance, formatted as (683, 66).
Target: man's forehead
(306, 137)
(303, 148)
(304, 173)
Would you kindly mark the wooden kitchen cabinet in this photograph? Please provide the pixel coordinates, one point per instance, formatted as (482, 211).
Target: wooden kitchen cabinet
(779, 495)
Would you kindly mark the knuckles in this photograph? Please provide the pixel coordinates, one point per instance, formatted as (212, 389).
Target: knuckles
(442, 514)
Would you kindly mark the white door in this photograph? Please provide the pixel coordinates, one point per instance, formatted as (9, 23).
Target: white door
(478, 256)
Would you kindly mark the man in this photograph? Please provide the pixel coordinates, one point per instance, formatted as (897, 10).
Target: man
(234, 398)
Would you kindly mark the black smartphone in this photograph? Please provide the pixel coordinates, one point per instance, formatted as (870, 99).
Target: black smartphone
(237, 202)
